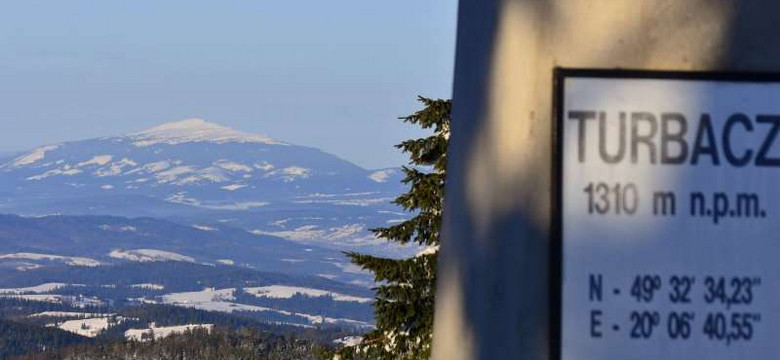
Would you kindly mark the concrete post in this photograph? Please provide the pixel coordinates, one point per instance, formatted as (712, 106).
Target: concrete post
(493, 298)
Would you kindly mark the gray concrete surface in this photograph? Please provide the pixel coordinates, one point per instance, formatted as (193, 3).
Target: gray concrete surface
(493, 293)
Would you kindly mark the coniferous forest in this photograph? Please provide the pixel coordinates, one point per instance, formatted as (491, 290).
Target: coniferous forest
(234, 336)
(219, 344)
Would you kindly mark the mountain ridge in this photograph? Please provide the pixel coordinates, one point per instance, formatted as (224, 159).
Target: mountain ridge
(99, 238)
(194, 170)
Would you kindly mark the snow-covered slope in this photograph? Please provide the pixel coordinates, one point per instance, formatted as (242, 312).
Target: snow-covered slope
(149, 255)
(195, 130)
(287, 292)
(68, 260)
(204, 174)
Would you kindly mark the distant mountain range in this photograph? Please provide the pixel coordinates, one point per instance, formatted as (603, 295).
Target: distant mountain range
(92, 241)
(191, 216)
(198, 173)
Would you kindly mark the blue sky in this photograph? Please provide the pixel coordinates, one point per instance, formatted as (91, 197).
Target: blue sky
(329, 74)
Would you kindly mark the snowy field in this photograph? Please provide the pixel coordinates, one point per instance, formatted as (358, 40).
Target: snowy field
(220, 300)
(91, 327)
(39, 289)
(287, 292)
(149, 255)
(68, 260)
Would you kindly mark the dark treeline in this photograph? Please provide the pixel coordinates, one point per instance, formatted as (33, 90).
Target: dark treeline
(166, 315)
(220, 344)
(35, 338)
(11, 308)
(323, 305)
(21, 334)
(16, 339)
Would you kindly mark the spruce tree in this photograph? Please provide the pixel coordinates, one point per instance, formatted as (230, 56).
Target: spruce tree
(405, 297)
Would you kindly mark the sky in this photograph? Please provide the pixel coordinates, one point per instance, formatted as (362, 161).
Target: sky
(328, 74)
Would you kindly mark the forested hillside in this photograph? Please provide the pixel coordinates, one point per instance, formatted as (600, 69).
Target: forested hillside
(242, 344)
(30, 328)
(16, 339)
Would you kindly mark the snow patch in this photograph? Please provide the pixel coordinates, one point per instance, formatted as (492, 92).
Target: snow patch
(233, 187)
(429, 250)
(219, 300)
(39, 289)
(125, 228)
(233, 166)
(115, 168)
(307, 232)
(291, 173)
(149, 255)
(34, 156)
(66, 170)
(100, 160)
(205, 295)
(293, 261)
(73, 261)
(348, 202)
(26, 266)
(382, 176)
(287, 292)
(296, 171)
(151, 167)
(240, 206)
(195, 130)
(91, 327)
(210, 174)
(342, 232)
(349, 341)
(181, 198)
(204, 228)
(171, 175)
(321, 195)
(265, 166)
(312, 232)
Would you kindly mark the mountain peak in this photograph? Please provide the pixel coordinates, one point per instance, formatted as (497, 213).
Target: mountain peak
(195, 130)
(194, 123)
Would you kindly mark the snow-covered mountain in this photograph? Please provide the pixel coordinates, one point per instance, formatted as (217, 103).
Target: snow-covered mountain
(197, 172)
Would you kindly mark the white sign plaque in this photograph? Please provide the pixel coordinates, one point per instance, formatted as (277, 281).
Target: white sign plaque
(669, 205)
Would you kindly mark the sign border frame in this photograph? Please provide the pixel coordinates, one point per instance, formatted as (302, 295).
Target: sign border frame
(560, 74)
